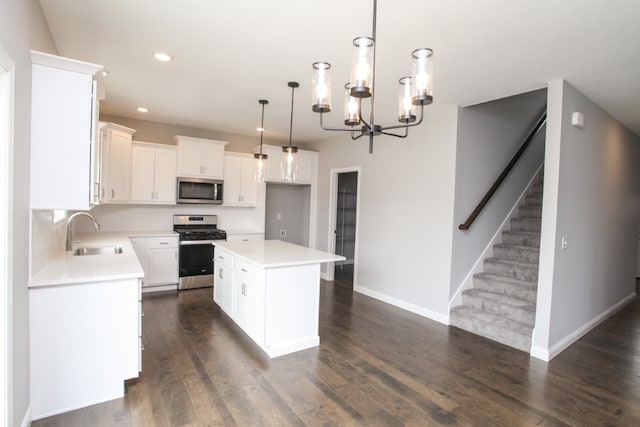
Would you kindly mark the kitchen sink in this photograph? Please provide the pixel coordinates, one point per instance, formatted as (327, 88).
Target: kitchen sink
(98, 250)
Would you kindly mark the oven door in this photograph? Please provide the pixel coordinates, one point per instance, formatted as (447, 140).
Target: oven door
(195, 266)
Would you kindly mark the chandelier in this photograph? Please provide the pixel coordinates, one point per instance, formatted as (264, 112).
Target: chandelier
(415, 91)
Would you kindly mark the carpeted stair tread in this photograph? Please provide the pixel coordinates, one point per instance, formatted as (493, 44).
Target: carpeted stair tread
(496, 328)
(521, 289)
(519, 237)
(526, 224)
(509, 268)
(530, 212)
(513, 308)
(516, 252)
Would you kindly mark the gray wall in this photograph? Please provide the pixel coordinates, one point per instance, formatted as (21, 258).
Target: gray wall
(292, 203)
(403, 254)
(591, 196)
(21, 22)
(488, 136)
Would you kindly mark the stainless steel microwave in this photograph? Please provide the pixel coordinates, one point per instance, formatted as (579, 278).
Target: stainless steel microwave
(199, 190)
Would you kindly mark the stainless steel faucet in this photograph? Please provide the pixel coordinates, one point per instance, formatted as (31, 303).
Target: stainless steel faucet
(96, 226)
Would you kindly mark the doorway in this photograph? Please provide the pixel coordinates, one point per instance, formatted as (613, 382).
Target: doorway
(345, 218)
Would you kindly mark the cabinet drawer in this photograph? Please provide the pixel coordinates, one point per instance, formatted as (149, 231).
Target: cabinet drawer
(224, 259)
(162, 242)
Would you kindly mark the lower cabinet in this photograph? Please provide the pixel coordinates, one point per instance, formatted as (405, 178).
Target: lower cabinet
(223, 282)
(159, 259)
(85, 342)
(276, 307)
(249, 299)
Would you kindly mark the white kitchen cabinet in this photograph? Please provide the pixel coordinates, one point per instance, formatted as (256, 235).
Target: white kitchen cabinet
(240, 186)
(248, 299)
(307, 165)
(153, 177)
(223, 282)
(115, 182)
(244, 235)
(159, 259)
(64, 112)
(200, 158)
(84, 341)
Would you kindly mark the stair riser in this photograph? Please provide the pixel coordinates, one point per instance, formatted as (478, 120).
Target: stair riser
(527, 294)
(533, 199)
(530, 212)
(537, 188)
(521, 239)
(526, 224)
(528, 273)
(518, 341)
(531, 255)
(518, 314)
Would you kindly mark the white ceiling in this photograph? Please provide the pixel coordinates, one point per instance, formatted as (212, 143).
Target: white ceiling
(229, 54)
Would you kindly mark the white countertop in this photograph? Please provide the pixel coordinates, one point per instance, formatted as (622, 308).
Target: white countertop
(276, 253)
(65, 268)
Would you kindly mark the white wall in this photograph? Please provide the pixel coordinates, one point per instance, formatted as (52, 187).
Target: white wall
(592, 197)
(488, 136)
(406, 211)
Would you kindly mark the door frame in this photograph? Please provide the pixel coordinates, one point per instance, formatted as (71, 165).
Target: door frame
(7, 86)
(333, 203)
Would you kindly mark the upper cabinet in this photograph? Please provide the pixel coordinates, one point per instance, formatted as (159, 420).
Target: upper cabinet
(116, 141)
(153, 176)
(307, 165)
(240, 186)
(64, 123)
(200, 158)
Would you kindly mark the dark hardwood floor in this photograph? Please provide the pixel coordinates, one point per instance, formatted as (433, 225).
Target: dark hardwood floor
(376, 365)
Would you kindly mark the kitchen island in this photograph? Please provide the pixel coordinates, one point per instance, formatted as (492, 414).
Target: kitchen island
(271, 289)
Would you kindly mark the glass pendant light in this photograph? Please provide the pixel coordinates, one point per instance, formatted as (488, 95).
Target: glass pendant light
(260, 157)
(289, 162)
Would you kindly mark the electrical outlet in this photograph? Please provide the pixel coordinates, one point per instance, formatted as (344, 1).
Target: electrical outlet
(278, 216)
(283, 233)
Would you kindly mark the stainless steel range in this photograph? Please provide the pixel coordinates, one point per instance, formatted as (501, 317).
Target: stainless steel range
(195, 262)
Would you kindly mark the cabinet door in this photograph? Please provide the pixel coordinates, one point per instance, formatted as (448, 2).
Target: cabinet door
(189, 159)
(142, 174)
(305, 166)
(212, 160)
(61, 130)
(232, 180)
(116, 175)
(249, 186)
(249, 294)
(163, 266)
(272, 166)
(165, 176)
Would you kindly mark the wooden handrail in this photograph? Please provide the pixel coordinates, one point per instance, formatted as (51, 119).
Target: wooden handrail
(505, 172)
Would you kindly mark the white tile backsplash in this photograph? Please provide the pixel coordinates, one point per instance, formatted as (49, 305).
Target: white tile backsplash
(47, 237)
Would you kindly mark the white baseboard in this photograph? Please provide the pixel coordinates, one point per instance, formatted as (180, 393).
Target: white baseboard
(421, 311)
(26, 421)
(546, 354)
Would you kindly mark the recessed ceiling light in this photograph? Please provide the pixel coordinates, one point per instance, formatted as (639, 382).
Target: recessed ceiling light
(163, 57)
(143, 109)
(105, 72)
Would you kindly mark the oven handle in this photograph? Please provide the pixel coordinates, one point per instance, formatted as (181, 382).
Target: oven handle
(198, 242)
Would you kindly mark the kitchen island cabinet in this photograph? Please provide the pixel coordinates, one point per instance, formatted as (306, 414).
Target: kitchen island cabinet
(274, 290)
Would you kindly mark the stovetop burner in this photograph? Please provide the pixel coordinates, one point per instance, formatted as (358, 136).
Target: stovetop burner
(198, 227)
